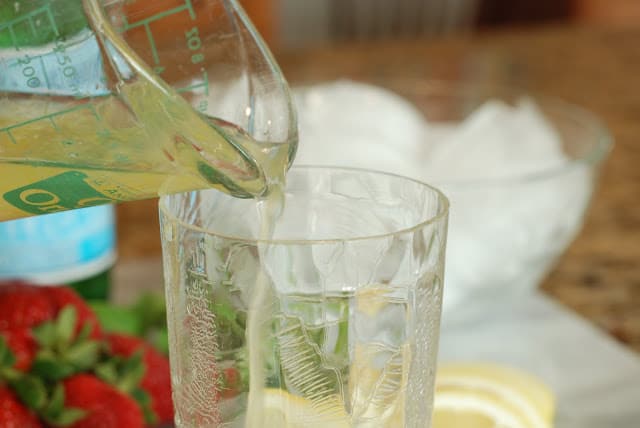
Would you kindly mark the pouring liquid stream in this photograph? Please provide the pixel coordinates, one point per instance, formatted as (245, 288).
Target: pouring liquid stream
(262, 301)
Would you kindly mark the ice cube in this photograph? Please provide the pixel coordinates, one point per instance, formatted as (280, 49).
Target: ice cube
(495, 141)
(352, 124)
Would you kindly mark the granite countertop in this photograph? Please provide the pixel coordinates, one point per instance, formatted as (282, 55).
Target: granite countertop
(599, 276)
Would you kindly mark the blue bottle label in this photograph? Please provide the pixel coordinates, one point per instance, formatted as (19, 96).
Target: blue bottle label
(60, 247)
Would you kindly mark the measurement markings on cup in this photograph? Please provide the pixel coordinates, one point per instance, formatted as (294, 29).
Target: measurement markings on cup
(31, 19)
(146, 24)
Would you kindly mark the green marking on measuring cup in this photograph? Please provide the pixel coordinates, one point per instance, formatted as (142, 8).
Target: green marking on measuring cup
(32, 23)
(61, 192)
(187, 7)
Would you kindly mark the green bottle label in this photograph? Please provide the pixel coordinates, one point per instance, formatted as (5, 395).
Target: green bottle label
(65, 191)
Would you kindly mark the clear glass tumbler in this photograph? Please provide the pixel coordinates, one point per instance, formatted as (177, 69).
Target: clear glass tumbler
(347, 294)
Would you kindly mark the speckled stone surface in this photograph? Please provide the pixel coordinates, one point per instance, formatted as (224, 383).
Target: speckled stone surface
(599, 276)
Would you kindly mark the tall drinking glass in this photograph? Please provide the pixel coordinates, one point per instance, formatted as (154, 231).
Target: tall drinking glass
(345, 297)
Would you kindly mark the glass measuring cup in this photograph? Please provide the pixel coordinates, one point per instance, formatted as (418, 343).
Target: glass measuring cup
(116, 100)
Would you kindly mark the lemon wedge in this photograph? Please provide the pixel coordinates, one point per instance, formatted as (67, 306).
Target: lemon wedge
(490, 396)
(284, 410)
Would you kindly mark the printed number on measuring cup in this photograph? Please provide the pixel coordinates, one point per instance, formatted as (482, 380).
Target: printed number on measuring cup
(194, 43)
(29, 72)
(68, 71)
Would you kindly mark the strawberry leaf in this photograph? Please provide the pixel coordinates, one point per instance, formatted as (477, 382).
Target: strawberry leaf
(66, 417)
(51, 369)
(31, 391)
(84, 332)
(144, 401)
(123, 373)
(9, 374)
(65, 326)
(56, 401)
(7, 359)
(134, 363)
(132, 372)
(225, 311)
(46, 353)
(83, 355)
(107, 372)
(151, 310)
(118, 319)
(55, 414)
(45, 334)
(159, 339)
(61, 354)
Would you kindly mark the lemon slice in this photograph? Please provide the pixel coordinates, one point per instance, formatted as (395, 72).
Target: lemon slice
(284, 410)
(490, 396)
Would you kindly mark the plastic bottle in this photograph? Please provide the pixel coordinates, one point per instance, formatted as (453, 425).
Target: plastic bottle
(75, 248)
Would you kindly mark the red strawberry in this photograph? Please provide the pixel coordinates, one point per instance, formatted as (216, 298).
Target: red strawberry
(157, 378)
(23, 305)
(64, 296)
(22, 345)
(231, 382)
(106, 406)
(13, 414)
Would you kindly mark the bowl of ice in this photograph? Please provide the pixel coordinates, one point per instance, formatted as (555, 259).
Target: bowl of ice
(519, 169)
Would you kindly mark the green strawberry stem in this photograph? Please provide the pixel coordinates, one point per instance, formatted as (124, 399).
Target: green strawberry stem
(61, 354)
(126, 375)
(46, 399)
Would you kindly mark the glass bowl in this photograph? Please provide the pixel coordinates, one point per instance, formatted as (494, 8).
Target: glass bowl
(519, 170)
